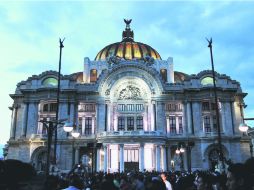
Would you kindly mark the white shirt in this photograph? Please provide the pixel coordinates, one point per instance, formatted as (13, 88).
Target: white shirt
(71, 188)
(168, 185)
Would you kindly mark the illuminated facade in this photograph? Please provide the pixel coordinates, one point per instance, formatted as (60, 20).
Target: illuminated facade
(133, 112)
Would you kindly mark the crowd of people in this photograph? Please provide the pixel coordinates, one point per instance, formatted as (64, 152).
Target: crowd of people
(238, 176)
(15, 175)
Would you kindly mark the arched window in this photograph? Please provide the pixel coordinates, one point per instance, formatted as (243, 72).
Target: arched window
(93, 75)
(163, 73)
(50, 81)
(207, 81)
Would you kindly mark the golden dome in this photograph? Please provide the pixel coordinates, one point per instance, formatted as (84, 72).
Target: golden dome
(127, 48)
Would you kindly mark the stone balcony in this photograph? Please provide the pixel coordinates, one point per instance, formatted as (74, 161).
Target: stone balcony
(83, 137)
(38, 137)
(131, 134)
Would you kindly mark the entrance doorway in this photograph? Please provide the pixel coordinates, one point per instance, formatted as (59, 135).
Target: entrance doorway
(131, 159)
(213, 159)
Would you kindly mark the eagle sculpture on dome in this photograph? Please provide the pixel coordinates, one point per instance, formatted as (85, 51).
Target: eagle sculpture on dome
(127, 22)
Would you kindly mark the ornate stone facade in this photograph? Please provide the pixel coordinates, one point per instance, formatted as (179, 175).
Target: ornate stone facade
(132, 114)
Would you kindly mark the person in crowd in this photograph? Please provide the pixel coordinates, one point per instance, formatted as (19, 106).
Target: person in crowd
(219, 181)
(124, 184)
(203, 181)
(51, 183)
(185, 183)
(249, 165)
(137, 182)
(108, 183)
(237, 177)
(167, 183)
(156, 184)
(75, 183)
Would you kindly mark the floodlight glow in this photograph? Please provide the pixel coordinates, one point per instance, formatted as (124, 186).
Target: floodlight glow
(243, 127)
(68, 127)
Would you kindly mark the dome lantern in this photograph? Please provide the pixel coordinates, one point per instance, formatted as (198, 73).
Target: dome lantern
(128, 35)
(128, 49)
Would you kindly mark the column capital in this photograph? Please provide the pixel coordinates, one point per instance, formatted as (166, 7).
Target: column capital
(158, 145)
(107, 102)
(141, 144)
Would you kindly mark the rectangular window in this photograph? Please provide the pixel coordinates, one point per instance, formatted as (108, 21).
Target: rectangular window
(180, 122)
(53, 107)
(88, 125)
(130, 107)
(130, 123)
(172, 124)
(80, 123)
(93, 75)
(163, 73)
(214, 123)
(121, 124)
(173, 107)
(213, 106)
(207, 124)
(44, 129)
(125, 155)
(139, 123)
(121, 107)
(205, 106)
(45, 108)
(89, 107)
(139, 107)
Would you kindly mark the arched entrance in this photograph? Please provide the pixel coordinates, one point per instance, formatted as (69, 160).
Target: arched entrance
(213, 157)
(39, 158)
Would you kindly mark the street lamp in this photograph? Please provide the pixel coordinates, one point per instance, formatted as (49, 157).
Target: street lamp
(51, 126)
(185, 146)
(243, 127)
(180, 151)
(75, 133)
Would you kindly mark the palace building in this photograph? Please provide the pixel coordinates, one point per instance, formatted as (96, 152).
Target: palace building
(134, 112)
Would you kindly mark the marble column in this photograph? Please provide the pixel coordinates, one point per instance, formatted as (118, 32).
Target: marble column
(154, 116)
(141, 157)
(146, 128)
(24, 120)
(222, 117)
(76, 155)
(108, 117)
(164, 168)
(121, 157)
(93, 124)
(189, 120)
(72, 113)
(14, 122)
(158, 158)
(105, 158)
(167, 123)
(98, 160)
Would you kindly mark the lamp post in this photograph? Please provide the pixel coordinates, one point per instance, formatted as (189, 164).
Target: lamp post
(221, 156)
(58, 92)
(189, 146)
(243, 127)
(51, 126)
